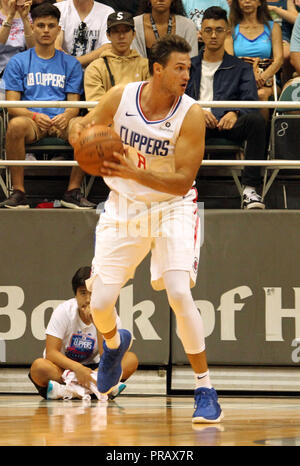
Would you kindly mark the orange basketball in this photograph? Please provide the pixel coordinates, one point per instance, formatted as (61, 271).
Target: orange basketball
(96, 144)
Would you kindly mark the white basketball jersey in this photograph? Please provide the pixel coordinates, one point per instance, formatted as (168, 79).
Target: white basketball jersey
(154, 141)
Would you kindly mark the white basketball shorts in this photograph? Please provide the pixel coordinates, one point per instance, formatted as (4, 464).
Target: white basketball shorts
(170, 230)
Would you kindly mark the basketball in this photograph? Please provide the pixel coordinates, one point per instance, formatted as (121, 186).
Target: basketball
(95, 145)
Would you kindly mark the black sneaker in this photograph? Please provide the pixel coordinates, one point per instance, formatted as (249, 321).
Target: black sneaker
(74, 200)
(252, 200)
(17, 200)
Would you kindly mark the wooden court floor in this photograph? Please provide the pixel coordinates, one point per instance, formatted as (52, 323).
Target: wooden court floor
(27, 420)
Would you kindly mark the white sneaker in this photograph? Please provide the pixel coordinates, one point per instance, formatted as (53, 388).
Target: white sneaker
(57, 391)
(252, 200)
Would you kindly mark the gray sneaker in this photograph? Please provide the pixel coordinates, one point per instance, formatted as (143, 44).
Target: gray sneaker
(74, 200)
(253, 201)
(17, 200)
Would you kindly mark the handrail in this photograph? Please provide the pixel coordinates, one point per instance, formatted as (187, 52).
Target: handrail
(204, 103)
(207, 163)
(90, 104)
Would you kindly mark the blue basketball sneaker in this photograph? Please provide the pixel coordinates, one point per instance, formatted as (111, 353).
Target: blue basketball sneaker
(207, 408)
(110, 369)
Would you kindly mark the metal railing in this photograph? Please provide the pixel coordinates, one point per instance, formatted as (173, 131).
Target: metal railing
(204, 103)
(233, 164)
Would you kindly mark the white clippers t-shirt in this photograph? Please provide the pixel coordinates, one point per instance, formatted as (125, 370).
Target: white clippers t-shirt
(79, 340)
(207, 81)
(95, 34)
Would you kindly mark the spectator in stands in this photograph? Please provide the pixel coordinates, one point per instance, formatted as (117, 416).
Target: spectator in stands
(258, 40)
(122, 5)
(284, 12)
(295, 46)
(121, 64)
(83, 29)
(73, 343)
(42, 73)
(157, 18)
(195, 9)
(15, 30)
(216, 75)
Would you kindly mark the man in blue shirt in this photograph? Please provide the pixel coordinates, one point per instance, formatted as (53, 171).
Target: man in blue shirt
(216, 75)
(42, 73)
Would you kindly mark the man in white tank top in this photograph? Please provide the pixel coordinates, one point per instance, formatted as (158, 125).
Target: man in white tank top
(164, 131)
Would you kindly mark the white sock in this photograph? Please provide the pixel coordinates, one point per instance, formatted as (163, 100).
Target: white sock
(202, 380)
(114, 342)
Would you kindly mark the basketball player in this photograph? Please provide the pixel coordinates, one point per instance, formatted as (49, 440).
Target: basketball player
(165, 130)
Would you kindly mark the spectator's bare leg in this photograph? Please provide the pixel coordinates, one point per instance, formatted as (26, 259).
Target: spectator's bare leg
(76, 178)
(43, 370)
(19, 130)
(264, 93)
(129, 365)
(287, 68)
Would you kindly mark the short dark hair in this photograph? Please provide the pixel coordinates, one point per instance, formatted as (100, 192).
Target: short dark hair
(215, 12)
(163, 47)
(45, 9)
(80, 277)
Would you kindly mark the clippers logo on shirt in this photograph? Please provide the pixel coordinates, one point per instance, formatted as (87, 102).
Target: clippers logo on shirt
(152, 141)
(147, 145)
(46, 79)
(81, 347)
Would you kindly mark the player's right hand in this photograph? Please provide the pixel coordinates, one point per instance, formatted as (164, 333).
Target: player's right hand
(75, 130)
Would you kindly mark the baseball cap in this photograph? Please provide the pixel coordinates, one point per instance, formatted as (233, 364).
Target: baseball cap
(120, 17)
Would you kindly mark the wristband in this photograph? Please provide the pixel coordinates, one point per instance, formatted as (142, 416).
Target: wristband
(34, 116)
(6, 24)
